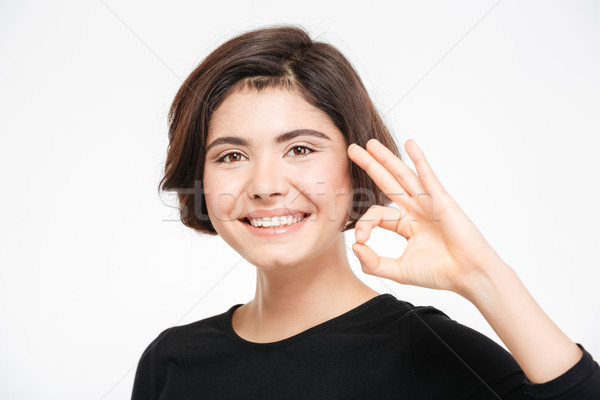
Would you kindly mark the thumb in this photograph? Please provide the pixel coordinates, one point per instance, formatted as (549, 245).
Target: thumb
(372, 264)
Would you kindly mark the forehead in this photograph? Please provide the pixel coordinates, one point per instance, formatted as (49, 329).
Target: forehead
(270, 111)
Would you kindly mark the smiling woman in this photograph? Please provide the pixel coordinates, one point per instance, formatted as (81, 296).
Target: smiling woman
(284, 58)
(282, 188)
(280, 134)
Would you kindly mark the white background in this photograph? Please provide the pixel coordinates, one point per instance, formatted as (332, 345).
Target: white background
(506, 109)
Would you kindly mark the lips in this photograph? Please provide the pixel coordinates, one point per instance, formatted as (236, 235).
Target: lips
(274, 212)
(296, 215)
(269, 228)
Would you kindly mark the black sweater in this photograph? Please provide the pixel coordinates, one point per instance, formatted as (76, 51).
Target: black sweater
(383, 349)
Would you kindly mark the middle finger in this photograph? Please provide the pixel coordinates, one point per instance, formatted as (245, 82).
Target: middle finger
(381, 176)
(399, 170)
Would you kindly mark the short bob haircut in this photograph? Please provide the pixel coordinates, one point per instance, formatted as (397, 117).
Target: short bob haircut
(278, 56)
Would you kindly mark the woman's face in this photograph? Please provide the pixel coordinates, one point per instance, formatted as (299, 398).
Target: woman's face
(272, 154)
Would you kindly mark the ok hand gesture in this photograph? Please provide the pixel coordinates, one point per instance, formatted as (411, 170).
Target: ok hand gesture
(445, 250)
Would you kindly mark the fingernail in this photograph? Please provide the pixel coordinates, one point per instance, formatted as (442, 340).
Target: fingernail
(359, 235)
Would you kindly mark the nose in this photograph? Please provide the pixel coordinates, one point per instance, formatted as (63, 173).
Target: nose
(266, 180)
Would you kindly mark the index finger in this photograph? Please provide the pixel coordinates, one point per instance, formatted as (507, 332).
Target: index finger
(399, 170)
(381, 176)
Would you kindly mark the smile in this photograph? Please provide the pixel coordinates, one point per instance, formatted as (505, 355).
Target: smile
(282, 220)
(273, 226)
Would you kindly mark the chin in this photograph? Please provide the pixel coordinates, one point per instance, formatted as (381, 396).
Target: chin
(274, 262)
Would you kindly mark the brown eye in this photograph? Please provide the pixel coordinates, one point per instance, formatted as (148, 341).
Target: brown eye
(234, 156)
(301, 151)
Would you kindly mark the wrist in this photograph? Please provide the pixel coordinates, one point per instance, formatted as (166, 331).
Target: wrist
(540, 348)
(483, 281)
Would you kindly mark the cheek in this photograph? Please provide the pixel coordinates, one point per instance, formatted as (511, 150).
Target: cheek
(343, 194)
(329, 186)
(222, 200)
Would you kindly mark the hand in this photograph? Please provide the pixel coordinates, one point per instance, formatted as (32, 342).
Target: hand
(445, 250)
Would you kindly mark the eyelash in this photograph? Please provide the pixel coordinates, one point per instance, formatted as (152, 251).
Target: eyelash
(222, 158)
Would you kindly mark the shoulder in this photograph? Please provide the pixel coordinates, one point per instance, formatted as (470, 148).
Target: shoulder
(177, 338)
(405, 315)
(386, 306)
(455, 358)
(433, 334)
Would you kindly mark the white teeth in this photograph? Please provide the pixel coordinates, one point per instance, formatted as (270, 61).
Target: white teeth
(275, 221)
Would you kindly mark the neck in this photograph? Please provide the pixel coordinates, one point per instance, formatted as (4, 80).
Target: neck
(291, 300)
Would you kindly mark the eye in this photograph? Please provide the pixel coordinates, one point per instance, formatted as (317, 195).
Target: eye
(301, 151)
(231, 157)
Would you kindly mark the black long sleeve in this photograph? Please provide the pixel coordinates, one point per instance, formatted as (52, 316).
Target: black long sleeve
(465, 364)
(382, 349)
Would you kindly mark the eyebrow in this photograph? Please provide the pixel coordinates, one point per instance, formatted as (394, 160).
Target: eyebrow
(284, 137)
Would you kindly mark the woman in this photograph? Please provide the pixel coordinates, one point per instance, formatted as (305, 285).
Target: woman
(285, 150)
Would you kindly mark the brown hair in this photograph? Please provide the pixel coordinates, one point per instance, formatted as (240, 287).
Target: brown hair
(283, 56)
